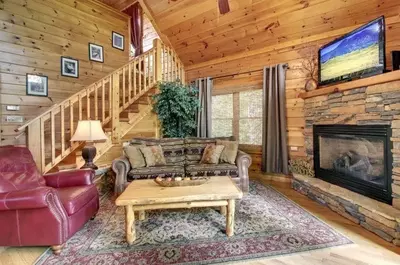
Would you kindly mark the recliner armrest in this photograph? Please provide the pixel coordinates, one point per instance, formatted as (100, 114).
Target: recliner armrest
(71, 178)
(121, 167)
(243, 162)
(26, 199)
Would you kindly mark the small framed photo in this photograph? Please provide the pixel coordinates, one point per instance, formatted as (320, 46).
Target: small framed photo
(37, 85)
(117, 41)
(69, 67)
(96, 53)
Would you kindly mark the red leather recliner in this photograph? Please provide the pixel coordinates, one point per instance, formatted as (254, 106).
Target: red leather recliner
(38, 210)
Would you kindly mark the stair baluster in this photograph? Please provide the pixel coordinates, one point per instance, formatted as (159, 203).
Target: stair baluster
(48, 134)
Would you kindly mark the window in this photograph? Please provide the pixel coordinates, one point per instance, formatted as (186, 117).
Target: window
(238, 114)
(222, 115)
(250, 117)
(131, 51)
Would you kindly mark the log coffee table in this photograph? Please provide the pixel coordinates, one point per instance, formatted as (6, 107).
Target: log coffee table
(142, 195)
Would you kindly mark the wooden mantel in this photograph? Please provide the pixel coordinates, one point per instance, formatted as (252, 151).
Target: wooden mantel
(369, 81)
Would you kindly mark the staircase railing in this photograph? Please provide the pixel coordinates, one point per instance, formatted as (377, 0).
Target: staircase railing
(48, 134)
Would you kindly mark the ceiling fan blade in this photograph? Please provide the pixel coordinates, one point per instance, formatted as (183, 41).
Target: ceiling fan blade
(223, 6)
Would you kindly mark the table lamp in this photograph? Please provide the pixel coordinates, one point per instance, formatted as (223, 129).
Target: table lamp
(89, 132)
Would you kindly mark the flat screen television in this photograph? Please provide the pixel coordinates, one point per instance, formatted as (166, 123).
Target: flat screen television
(358, 54)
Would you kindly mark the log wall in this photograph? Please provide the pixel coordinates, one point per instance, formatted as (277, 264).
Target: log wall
(34, 34)
(293, 52)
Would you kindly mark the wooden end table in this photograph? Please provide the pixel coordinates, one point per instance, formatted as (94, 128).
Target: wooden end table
(143, 195)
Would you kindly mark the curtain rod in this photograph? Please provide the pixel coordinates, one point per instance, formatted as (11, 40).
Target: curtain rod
(248, 72)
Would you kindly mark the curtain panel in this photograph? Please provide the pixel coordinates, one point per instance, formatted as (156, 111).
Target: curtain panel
(274, 141)
(203, 116)
(135, 11)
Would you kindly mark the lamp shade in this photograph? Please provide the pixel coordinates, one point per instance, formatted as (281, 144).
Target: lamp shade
(90, 131)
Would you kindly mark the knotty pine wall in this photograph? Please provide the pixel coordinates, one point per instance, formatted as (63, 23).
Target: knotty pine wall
(34, 34)
(293, 53)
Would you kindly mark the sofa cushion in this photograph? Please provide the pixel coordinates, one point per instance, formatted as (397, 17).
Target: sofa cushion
(173, 148)
(224, 169)
(229, 153)
(153, 172)
(211, 154)
(135, 156)
(74, 198)
(194, 147)
(153, 155)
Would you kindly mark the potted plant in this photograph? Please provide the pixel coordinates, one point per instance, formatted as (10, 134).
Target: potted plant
(176, 105)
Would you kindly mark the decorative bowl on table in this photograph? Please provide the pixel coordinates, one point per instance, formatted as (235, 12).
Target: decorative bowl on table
(181, 182)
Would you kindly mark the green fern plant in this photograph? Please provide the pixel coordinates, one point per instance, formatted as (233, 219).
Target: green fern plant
(176, 106)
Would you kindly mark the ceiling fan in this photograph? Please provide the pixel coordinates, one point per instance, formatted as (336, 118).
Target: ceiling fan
(223, 6)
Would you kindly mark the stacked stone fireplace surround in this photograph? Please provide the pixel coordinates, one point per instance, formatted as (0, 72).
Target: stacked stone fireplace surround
(376, 104)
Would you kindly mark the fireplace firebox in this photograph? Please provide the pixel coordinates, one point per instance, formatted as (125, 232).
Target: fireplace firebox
(355, 157)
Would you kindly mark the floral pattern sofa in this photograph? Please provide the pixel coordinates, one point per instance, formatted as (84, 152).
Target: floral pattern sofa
(183, 159)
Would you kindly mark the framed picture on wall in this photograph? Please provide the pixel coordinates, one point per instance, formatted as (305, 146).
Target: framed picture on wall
(96, 53)
(36, 85)
(117, 41)
(69, 67)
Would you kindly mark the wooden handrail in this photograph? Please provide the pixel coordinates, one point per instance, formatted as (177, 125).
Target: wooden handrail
(48, 134)
(55, 106)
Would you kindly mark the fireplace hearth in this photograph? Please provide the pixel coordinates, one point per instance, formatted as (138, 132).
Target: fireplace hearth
(356, 157)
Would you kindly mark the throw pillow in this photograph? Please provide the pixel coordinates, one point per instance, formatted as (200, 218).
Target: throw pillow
(153, 155)
(229, 153)
(134, 155)
(211, 154)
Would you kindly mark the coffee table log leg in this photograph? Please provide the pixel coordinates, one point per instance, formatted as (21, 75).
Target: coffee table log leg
(142, 215)
(222, 210)
(130, 224)
(230, 218)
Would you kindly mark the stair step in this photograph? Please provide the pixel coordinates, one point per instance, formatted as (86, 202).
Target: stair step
(129, 136)
(132, 110)
(66, 167)
(128, 115)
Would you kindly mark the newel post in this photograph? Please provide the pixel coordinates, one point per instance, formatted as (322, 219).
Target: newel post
(115, 128)
(34, 142)
(157, 59)
(158, 74)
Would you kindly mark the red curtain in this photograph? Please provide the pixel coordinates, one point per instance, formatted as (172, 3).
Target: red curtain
(135, 11)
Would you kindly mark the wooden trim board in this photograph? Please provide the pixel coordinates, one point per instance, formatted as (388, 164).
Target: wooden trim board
(369, 81)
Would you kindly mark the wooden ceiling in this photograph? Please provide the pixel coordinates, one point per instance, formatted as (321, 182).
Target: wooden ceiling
(199, 33)
(119, 4)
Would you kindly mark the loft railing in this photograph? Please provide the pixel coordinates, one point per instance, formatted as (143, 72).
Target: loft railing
(48, 135)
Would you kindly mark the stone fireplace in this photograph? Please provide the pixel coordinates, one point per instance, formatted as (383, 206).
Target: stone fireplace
(352, 137)
(355, 157)
(374, 105)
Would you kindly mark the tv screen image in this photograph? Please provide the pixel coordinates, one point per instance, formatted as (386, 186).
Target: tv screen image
(358, 54)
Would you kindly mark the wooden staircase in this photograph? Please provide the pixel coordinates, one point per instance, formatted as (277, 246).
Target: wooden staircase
(121, 100)
(129, 119)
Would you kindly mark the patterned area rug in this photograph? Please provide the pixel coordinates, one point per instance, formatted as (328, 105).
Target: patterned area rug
(266, 224)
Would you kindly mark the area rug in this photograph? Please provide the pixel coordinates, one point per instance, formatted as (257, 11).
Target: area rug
(266, 224)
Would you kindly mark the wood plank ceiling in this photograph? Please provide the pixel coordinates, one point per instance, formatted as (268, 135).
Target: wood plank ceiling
(119, 4)
(199, 33)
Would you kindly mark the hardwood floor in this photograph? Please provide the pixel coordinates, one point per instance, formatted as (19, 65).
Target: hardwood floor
(367, 248)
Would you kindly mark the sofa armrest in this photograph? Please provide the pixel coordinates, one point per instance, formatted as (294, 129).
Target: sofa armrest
(243, 162)
(26, 199)
(71, 178)
(121, 167)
